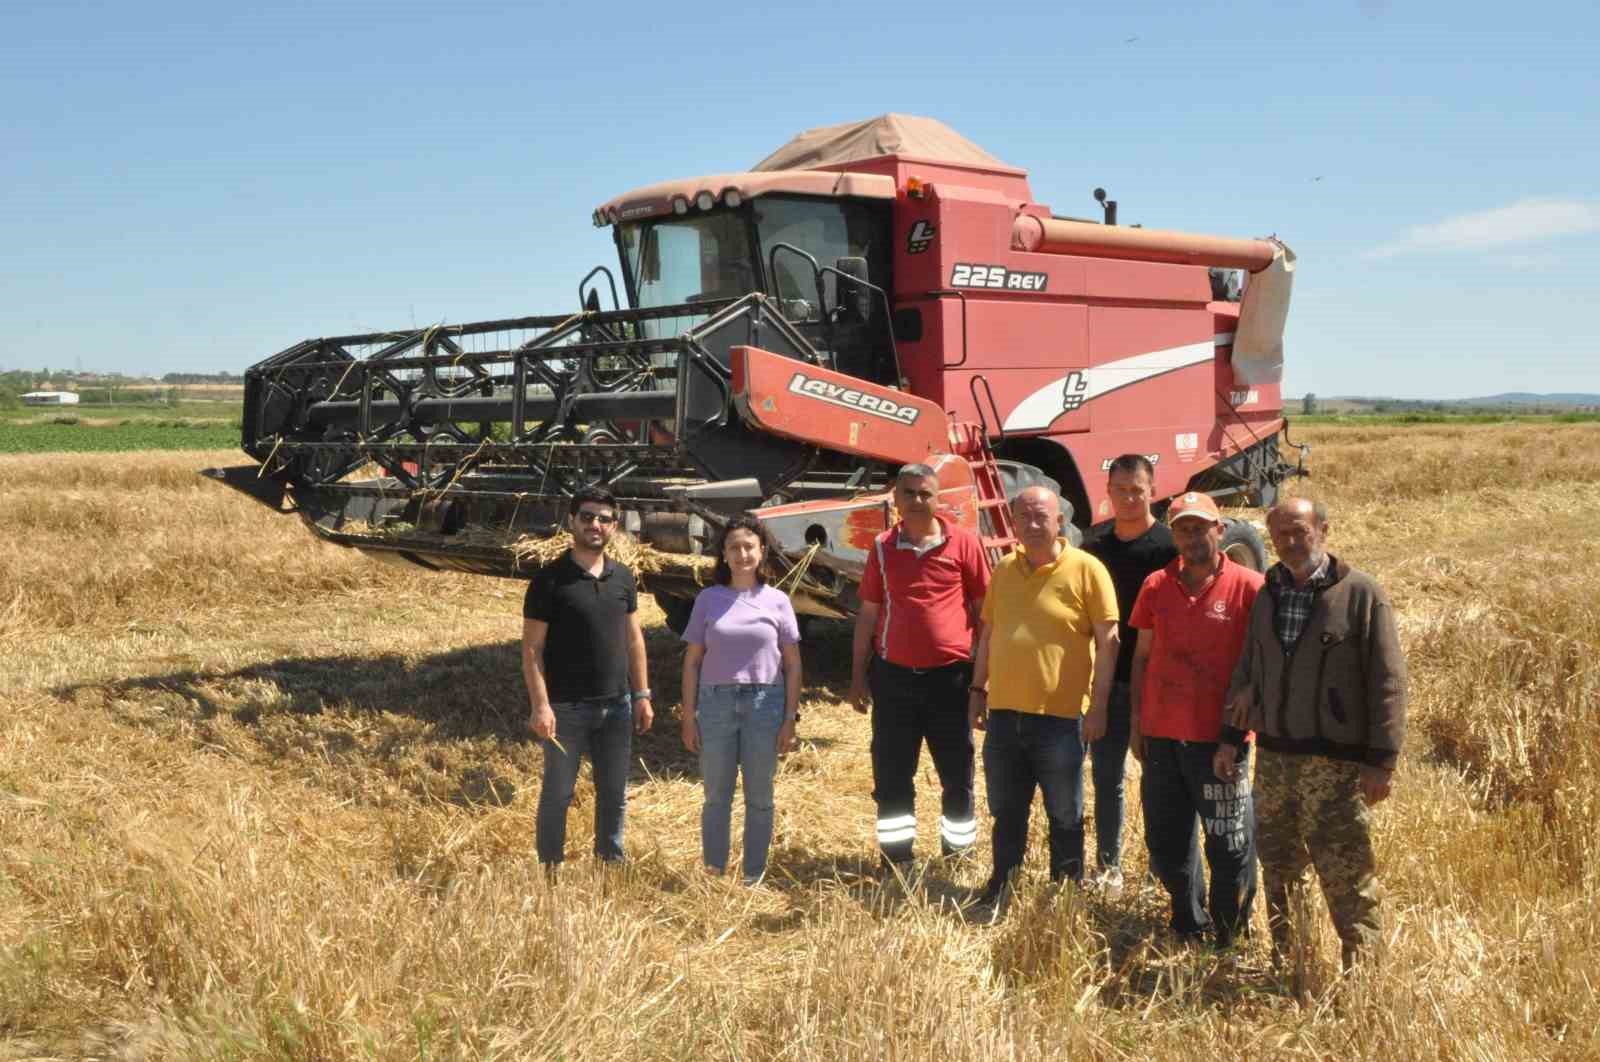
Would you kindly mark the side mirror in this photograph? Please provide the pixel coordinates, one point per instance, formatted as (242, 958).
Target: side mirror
(856, 299)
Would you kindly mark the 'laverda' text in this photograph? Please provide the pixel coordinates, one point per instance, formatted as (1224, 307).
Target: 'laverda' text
(850, 398)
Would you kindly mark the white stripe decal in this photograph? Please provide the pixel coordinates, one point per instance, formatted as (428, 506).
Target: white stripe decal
(1223, 339)
(883, 572)
(959, 833)
(1040, 409)
(896, 836)
(897, 821)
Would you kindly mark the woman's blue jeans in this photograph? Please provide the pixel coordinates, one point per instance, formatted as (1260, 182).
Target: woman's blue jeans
(739, 727)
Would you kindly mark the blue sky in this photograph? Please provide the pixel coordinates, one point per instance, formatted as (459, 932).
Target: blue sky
(192, 188)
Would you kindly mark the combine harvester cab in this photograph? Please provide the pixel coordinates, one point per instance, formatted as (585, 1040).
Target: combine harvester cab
(870, 295)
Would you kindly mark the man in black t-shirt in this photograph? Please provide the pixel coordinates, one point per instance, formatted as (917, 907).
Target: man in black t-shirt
(1135, 545)
(584, 662)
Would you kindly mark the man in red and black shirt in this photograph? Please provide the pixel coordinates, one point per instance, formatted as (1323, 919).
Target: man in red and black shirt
(1192, 617)
(920, 597)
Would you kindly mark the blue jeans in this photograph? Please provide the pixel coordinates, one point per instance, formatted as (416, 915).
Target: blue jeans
(1110, 757)
(603, 729)
(738, 727)
(1179, 791)
(1024, 751)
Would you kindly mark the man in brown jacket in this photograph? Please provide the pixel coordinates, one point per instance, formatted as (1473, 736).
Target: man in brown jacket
(1322, 682)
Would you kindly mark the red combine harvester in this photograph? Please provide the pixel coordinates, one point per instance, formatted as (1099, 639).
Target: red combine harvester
(869, 295)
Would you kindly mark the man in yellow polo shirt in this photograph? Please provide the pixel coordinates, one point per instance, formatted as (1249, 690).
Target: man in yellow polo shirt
(1046, 657)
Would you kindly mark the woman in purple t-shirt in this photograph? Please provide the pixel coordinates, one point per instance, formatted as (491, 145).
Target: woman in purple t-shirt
(741, 694)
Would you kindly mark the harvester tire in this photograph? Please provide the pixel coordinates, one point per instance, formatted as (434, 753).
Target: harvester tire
(1019, 475)
(1242, 544)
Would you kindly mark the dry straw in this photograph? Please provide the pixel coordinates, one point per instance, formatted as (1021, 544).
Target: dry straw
(264, 797)
(532, 552)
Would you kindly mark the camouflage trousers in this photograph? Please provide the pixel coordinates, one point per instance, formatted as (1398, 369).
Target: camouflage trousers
(1309, 812)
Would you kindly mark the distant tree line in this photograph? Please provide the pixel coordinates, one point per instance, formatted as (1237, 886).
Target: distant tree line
(202, 378)
(1311, 405)
(103, 388)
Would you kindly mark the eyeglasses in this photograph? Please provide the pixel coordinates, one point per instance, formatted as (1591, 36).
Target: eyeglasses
(585, 516)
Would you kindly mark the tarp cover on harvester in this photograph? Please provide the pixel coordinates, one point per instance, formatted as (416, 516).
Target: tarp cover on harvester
(889, 134)
(1258, 338)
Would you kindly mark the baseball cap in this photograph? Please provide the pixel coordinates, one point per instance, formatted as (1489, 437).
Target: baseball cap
(1194, 503)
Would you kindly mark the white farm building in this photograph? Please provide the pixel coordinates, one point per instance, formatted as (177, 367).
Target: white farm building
(49, 398)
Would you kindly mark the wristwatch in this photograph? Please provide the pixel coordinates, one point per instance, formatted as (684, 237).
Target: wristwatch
(640, 695)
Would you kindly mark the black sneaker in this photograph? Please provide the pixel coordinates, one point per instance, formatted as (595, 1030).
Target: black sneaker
(993, 902)
(897, 869)
(1107, 881)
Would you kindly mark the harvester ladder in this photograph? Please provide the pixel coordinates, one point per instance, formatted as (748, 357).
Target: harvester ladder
(995, 528)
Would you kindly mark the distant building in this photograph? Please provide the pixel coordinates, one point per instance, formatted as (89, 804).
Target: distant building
(49, 398)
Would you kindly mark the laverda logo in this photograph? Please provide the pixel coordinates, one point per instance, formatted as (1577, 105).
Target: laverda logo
(850, 398)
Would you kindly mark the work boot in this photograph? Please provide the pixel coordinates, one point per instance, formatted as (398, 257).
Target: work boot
(995, 899)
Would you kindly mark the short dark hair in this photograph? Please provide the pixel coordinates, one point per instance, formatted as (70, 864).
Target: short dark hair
(915, 471)
(722, 575)
(595, 495)
(1132, 463)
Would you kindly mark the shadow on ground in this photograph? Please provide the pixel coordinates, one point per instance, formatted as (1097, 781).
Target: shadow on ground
(471, 705)
(469, 694)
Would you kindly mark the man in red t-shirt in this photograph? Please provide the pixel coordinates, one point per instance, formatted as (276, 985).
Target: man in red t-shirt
(1192, 617)
(920, 594)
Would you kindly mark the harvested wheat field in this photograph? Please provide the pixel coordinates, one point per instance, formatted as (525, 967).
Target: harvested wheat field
(266, 798)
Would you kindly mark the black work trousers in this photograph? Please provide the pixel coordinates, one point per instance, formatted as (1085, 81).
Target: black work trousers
(1179, 790)
(910, 705)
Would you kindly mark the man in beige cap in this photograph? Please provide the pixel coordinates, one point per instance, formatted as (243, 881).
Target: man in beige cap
(1191, 617)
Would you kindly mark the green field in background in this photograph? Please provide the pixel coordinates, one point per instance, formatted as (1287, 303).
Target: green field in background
(215, 425)
(140, 434)
(1391, 419)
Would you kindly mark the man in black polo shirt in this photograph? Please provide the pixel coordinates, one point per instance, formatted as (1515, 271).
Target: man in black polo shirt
(1135, 545)
(584, 662)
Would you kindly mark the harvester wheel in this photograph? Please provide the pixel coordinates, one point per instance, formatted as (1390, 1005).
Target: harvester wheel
(1019, 475)
(1243, 545)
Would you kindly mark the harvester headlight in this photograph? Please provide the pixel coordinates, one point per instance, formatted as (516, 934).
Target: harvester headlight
(705, 200)
(731, 198)
(680, 205)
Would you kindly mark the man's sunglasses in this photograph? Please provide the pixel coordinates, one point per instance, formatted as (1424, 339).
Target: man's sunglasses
(603, 519)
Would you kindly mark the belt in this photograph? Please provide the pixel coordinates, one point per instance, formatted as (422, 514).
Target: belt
(935, 670)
